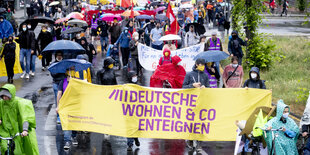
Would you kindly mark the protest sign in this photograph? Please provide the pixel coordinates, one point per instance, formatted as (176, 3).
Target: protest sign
(149, 57)
(134, 111)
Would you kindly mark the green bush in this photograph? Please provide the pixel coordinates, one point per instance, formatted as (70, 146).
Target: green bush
(301, 5)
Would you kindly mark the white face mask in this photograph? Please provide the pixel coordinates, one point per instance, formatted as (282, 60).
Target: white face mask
(83, 61)
(253, 75)
(58, 59)
(78, 35)
(24, 29)
(285, 115)
(234, 65)
(136, 38)
(134, 79)
(29, 26)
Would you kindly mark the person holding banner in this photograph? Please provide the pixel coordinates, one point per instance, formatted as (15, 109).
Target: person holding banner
(196, 79)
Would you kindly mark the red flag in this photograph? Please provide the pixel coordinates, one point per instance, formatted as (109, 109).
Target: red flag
(125, 3)
(174, 25)
(132, 14)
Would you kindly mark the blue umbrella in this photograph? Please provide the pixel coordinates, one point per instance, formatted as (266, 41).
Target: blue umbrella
(161, 17)
(64, 46)
(144, 17)
(62, 66)
(212, 56)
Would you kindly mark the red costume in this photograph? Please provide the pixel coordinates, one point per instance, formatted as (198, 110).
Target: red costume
(167, 59)
(172, 72)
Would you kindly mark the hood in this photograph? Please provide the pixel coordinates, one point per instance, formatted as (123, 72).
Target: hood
(107, 61)
(256, 70)
(235, 32)
(280, 108)
(176, 59)
(11, 88)
(166, 50)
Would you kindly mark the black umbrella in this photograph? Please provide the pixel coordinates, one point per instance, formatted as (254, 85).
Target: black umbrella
(72, 30)
(157, 4)
(34, 22)
(200, 29)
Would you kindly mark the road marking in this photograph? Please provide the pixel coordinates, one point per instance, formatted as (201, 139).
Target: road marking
(50, 124)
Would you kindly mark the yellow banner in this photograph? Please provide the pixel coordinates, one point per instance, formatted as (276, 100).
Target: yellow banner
(135, 111)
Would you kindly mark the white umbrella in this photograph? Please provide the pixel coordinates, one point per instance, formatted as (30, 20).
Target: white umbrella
(54, 3)
(79, 23)
(185, 6)
(170, 37)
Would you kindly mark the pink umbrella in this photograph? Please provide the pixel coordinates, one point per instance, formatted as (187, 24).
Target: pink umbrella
(110, 18)
(160, 9)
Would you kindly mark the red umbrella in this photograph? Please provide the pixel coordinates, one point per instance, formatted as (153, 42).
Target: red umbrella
(75, 15)
(110, 18)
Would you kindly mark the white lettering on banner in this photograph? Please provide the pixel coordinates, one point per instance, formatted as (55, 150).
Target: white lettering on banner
(149, 57)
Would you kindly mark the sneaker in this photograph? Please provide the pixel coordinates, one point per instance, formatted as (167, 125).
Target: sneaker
(137, 143)
(129, 148)
(67, 146)
(23, 75)
(43, 68)
(32, 73)
(27, 76)
(74, 141)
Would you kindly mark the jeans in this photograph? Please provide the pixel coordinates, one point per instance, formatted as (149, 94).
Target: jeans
(307, 148)
(68, 134)
(33, 63)
(25, 53)
(158, 47)
(104, 40)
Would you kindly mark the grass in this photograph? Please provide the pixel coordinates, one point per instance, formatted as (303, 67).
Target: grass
(290, 78)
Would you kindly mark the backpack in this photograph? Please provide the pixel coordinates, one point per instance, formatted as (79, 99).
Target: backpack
(163, 59)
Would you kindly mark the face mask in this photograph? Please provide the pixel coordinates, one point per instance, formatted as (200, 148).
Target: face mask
(253, 75)
(44, 30)
(78, 35)
(29, 26)
(201, 68)
(94, 17)
(100, 11)
(83, 61)
(234, 36)
(115, 21)
(166, 54)
(58, 59)
(126, 31)
(234, 65)
(136, 38)
(1, 20)
(134, 79)
(24, 29)
(110, 66)
(285, 115)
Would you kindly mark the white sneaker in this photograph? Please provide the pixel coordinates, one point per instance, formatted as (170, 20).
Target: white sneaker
(31, 73)
(27, 76)
(23, 75)
(43, 68)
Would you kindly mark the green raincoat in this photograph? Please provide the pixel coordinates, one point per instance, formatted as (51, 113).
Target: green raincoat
(284, 145)
(13, 113)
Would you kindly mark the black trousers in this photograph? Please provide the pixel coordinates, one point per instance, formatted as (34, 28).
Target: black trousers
(125, 55)
(9, 64)
(46, 60)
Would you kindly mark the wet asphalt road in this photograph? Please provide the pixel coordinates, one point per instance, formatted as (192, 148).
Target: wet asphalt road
(49, 134)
